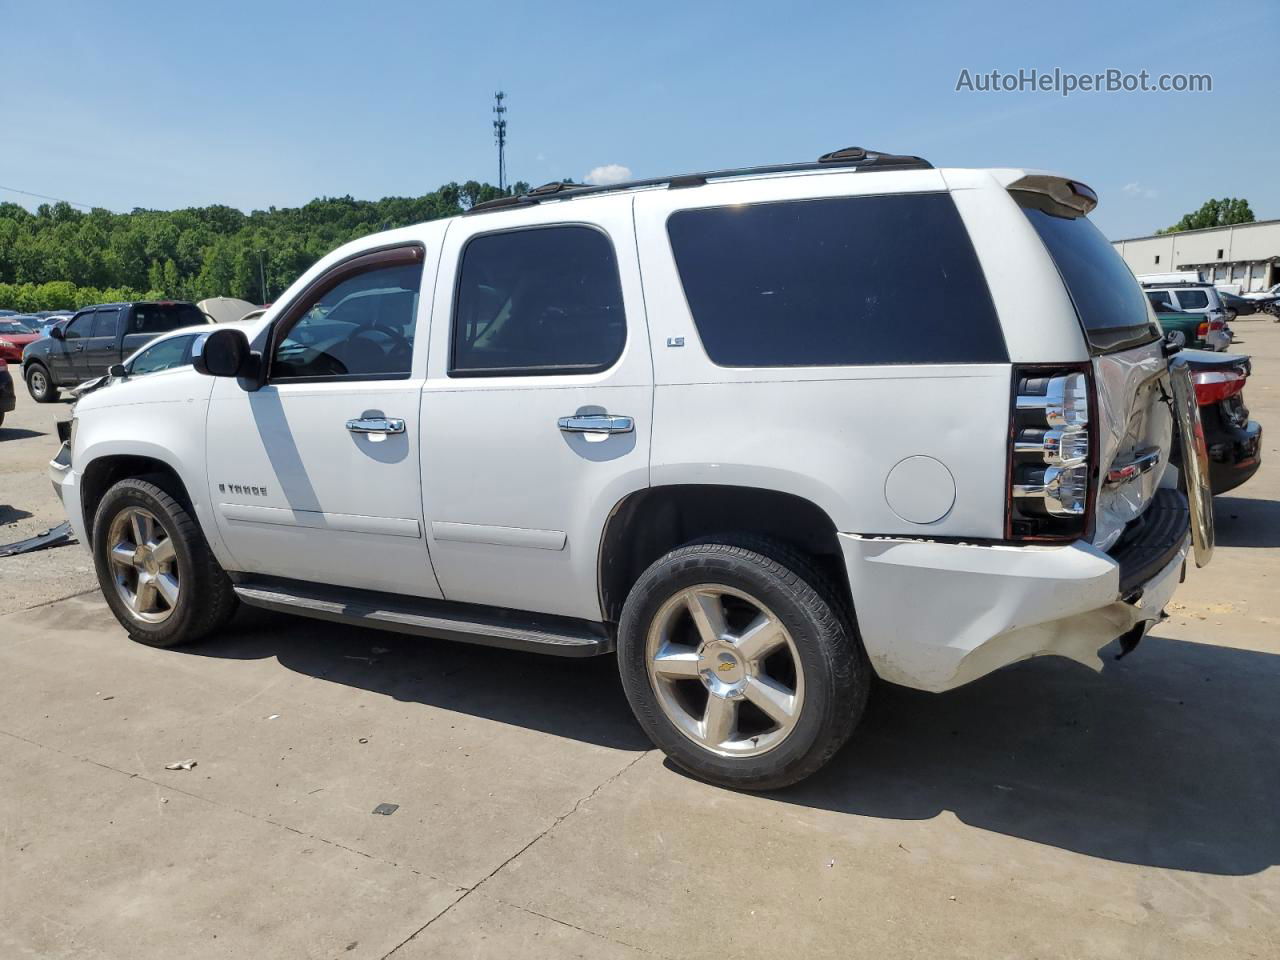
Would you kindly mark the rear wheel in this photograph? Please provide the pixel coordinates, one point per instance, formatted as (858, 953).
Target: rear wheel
(741, 664)
(40, 384)
(155, 569)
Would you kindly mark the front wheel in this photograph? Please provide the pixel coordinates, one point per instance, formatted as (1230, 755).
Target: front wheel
(741, 664)
(155, 569)
(40, 384)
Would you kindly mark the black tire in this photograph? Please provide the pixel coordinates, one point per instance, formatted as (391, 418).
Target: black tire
(837, 675)
(42, 390)
(205, 601)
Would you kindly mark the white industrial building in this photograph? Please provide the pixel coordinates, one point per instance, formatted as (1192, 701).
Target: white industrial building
(1246, 255)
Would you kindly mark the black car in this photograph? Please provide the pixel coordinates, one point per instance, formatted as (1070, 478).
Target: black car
(7, 398)
(1234, 441)
(1241, 306)
(97, 337)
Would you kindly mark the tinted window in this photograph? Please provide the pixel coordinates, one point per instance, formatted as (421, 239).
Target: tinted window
(163, 317)
(1107, 298)
(1193, 299)
(363, 327)
(1160, 300)
(81, 325)
(538, 302)
(165, 355)
(849, 280)
(107, 323)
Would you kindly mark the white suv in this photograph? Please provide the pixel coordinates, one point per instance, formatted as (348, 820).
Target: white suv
(768, 433)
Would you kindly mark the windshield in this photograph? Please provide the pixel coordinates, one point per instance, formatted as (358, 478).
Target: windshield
(1107, 298)
(12, 326)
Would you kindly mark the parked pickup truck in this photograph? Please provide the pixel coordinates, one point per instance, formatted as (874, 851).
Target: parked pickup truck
(96, 338)
(688, 421)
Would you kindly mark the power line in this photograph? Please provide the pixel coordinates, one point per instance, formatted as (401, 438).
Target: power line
(41, 196)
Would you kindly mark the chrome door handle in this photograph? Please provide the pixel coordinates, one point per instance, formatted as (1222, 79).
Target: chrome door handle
(596, 423)
(376, 425)
(1144, 462)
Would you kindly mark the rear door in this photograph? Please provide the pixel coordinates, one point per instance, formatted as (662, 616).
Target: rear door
(537, 406)
(102, 348)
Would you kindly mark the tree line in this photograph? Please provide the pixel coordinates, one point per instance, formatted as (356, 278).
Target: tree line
(61, 258)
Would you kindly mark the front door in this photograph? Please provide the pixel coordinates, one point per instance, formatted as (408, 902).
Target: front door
(67, 363)
(314, 476)
(536, 411)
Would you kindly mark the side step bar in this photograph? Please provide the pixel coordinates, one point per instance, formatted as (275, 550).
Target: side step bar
(441, 619)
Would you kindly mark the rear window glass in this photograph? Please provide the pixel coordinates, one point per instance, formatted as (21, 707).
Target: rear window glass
(1193, 299)
(835, 282)
(539, 301)
(1107, 298)
(162, 317)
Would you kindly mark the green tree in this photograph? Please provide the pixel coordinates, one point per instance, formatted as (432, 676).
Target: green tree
(1214, 213)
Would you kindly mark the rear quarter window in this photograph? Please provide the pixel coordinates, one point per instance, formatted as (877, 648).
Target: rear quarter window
(836, 281)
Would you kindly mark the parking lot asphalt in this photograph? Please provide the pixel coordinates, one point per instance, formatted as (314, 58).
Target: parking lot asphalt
(1044, 811)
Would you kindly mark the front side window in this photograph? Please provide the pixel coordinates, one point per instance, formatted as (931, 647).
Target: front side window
(535, 302)
(107, 323)
(361, 328)
(165, 355)
(836, 282)
(81, 325)
(1193, 299)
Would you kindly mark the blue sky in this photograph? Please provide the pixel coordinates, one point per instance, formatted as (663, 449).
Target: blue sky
(258, 104)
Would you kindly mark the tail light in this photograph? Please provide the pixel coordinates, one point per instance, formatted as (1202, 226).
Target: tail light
(1052, 453)
(1202, 330)
(1214, 386)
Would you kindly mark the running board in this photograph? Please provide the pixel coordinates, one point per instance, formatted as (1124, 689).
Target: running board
(440, 619)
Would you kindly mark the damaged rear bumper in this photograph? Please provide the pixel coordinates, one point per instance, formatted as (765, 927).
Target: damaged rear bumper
(935, 616)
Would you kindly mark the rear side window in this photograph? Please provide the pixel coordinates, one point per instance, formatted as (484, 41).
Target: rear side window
(1193, 299)
(838, 281)
(163, 317)
(1160, 300)
(1107, 298)
(537, 302)
(107, 322)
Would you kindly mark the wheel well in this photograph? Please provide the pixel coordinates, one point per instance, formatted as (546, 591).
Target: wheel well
(102, 474)
(652, 522)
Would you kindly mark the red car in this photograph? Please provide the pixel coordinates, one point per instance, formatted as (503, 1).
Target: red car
(13, 337)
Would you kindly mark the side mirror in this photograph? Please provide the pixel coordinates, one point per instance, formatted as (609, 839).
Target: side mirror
(224, 353)
(56, 333)
(1174, 341)
(118, 371)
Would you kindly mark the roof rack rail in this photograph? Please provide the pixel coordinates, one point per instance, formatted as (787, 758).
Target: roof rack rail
(855, 157)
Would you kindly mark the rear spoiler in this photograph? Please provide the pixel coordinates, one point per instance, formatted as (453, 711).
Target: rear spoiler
(1055, 195)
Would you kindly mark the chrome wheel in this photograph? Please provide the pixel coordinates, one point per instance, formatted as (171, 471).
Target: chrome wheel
(726, 671)
(39, 385)
(144, 566)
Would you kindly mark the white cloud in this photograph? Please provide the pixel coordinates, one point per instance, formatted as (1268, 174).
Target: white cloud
(1138, 190)
(607, 174)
